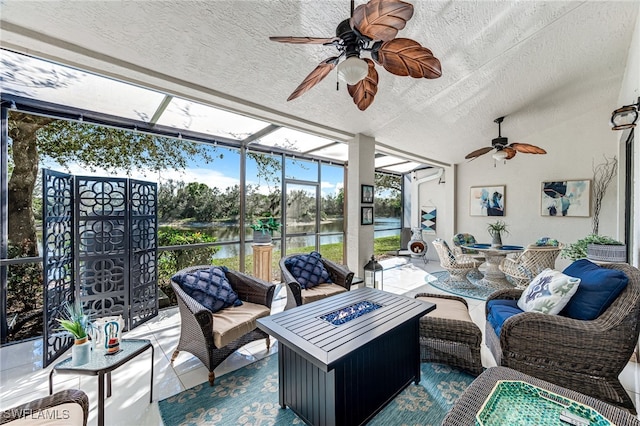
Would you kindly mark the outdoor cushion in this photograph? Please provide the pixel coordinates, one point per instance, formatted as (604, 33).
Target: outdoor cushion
(321, 291)
(599, 287)
(548, 293)
(499, 311)
(447, 309)
(209, 287)
(308, 269)
(232, 324)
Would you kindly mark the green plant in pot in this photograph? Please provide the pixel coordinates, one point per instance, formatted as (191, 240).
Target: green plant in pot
(496, 229)
(263, 230)
(592, 246)
(76, 322)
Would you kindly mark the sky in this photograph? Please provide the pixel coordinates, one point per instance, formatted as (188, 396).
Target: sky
(220, 173)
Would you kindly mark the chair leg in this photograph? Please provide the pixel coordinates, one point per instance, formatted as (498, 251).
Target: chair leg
(174, 356)
(212, 378)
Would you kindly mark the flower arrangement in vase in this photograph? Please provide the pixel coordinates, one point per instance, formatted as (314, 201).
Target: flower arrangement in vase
(263, 230)
(76, 322)
(496, 229)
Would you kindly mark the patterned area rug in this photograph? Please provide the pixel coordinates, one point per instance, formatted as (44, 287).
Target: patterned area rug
(249, 396)
(470, 289)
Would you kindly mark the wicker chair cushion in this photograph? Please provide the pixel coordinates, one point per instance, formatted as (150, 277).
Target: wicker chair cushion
(549, 292)
(463, 240)
(209, 287)
(547, 241)
(447, 309)
(308, 269)
(499, 310)
(320, 292)
(599, 287)
(231, 324)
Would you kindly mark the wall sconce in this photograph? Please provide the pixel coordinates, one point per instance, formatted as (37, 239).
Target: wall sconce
(625, 117)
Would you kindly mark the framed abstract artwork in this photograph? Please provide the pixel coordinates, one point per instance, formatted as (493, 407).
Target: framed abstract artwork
(570, 198)
(367, 216)
(487, 200)
(366, 195)
(428, 216)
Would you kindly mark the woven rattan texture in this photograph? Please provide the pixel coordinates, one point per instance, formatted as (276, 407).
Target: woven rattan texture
(197, 323)
(465, 409)
(450, 342)
(523, 267)
(30, 409)
(586, 356)
(339, 274)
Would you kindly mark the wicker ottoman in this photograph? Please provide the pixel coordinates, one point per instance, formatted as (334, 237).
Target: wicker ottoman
(447, 334)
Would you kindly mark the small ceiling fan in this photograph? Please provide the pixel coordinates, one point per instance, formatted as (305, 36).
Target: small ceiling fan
(372, 28)
(504, 149)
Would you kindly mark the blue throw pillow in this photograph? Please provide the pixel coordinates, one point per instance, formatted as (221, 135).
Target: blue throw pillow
(209, 287)
(599, 287)
(499, 311)
(308, 269)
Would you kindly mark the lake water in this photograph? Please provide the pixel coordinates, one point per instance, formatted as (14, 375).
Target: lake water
(230, 231)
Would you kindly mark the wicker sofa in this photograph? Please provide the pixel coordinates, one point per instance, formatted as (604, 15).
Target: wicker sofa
(585, 356)
(212, 337)
(296, 295)
(67, 407)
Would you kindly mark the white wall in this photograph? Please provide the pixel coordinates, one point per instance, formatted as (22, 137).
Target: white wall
(572, 147)
(629, 93)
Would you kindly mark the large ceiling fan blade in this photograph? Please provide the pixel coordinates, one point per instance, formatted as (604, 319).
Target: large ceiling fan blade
(478, 152)
(510, 152)
(364, 91)
(381, 19)
(403, 56)
(314, 77)
(527, 148)
(304, 40)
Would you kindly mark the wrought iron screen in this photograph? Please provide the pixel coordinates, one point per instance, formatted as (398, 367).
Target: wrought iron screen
(143, 288)
(111, 257)
(102, 245)
(57, 254)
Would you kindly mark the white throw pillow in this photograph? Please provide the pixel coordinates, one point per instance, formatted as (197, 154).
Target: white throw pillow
(549, 292)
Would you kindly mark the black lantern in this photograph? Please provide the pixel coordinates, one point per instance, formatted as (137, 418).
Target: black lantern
(373, 274)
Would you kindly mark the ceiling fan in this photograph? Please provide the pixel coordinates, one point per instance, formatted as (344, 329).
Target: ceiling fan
(372, 28)
(504, 149)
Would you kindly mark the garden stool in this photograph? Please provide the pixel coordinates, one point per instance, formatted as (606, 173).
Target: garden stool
(447, 334)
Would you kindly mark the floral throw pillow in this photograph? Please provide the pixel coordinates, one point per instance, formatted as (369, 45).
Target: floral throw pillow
(549, 292)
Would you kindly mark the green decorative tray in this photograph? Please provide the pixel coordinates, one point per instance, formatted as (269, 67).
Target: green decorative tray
(513, 403)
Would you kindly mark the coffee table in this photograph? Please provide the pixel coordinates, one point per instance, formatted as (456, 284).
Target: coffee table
(100, 364)
(465, 409)
(344, 374)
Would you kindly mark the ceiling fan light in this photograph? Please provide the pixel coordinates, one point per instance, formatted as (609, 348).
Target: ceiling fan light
(499, 156)
(352, 70)
(624, 118)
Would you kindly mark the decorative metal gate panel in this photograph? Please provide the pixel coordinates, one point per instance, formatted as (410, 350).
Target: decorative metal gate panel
(143, 283)
(57, 254)
(102, 245)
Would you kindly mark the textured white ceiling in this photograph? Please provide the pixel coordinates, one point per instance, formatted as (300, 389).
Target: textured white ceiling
(535, 61)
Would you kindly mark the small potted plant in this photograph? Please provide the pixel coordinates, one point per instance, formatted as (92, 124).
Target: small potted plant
(76, 322)
(496, 230)
(596, 247)
(263, 230)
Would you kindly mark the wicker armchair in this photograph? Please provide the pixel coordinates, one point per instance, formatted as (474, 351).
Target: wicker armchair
(585, 356)
(212, 337)
(296, 295)
(66, 407)
(523, 267)
(457, 266)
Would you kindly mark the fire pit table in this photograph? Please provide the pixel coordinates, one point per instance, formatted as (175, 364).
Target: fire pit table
(343, 358)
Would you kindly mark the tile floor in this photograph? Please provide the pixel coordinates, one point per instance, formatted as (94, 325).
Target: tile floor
(22, 377)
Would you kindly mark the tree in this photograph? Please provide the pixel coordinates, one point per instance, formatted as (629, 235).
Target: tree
(91, 146)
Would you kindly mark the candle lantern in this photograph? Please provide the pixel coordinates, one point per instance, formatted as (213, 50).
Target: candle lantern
(373, 274)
